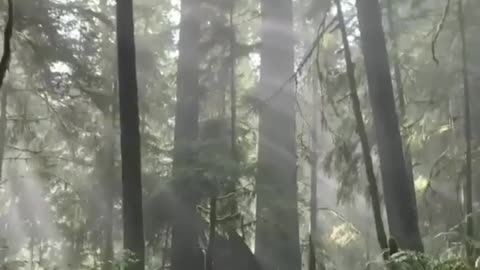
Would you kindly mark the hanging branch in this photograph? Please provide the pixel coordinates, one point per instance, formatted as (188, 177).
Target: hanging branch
(322, 30)
(4, 63)
(439, 29)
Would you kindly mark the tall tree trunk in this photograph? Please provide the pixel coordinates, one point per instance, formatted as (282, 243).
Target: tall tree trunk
(468, 136)
(4, 63)
(398, 189)
(185, 251)
(209, 264)
(397, 72)
(277, 229)
(313, 167)
(108, 182)
(367, 158)
(133, 238)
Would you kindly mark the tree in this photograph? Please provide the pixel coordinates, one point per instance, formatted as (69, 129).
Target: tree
(4, 64)
(314, 183)
(398, 188)
(130, 137)
(313, 159)
(58, 178)
(185, 251)
(397, 72)
(468, 136)
(107, 157)
(277, 225)
(106, 154)
(361, 131)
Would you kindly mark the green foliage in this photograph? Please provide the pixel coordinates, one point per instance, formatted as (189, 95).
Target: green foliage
(413, 261)
(62, 79)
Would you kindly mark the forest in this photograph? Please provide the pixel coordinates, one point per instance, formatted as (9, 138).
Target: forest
(239, 134)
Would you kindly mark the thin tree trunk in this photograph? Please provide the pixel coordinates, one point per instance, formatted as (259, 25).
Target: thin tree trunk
(277, 244)
(399, 192)
(314, 235)
(367, 158)
(212, 234)
(108, 179)
(313, 184)
(79, 246)
(313, 167)
(108, 185)
(468, 137)
(31, 247)
(312, 258)
(3, 128)
(165, 248)
(4, 63)
(133, 238)
(233, 207)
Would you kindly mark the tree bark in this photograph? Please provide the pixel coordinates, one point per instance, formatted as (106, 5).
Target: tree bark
(185, 251)
(133, 238)
(398, 189)
(397, 72)
(277, 227)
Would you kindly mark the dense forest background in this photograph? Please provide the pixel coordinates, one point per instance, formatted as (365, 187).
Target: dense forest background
(239, 134)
